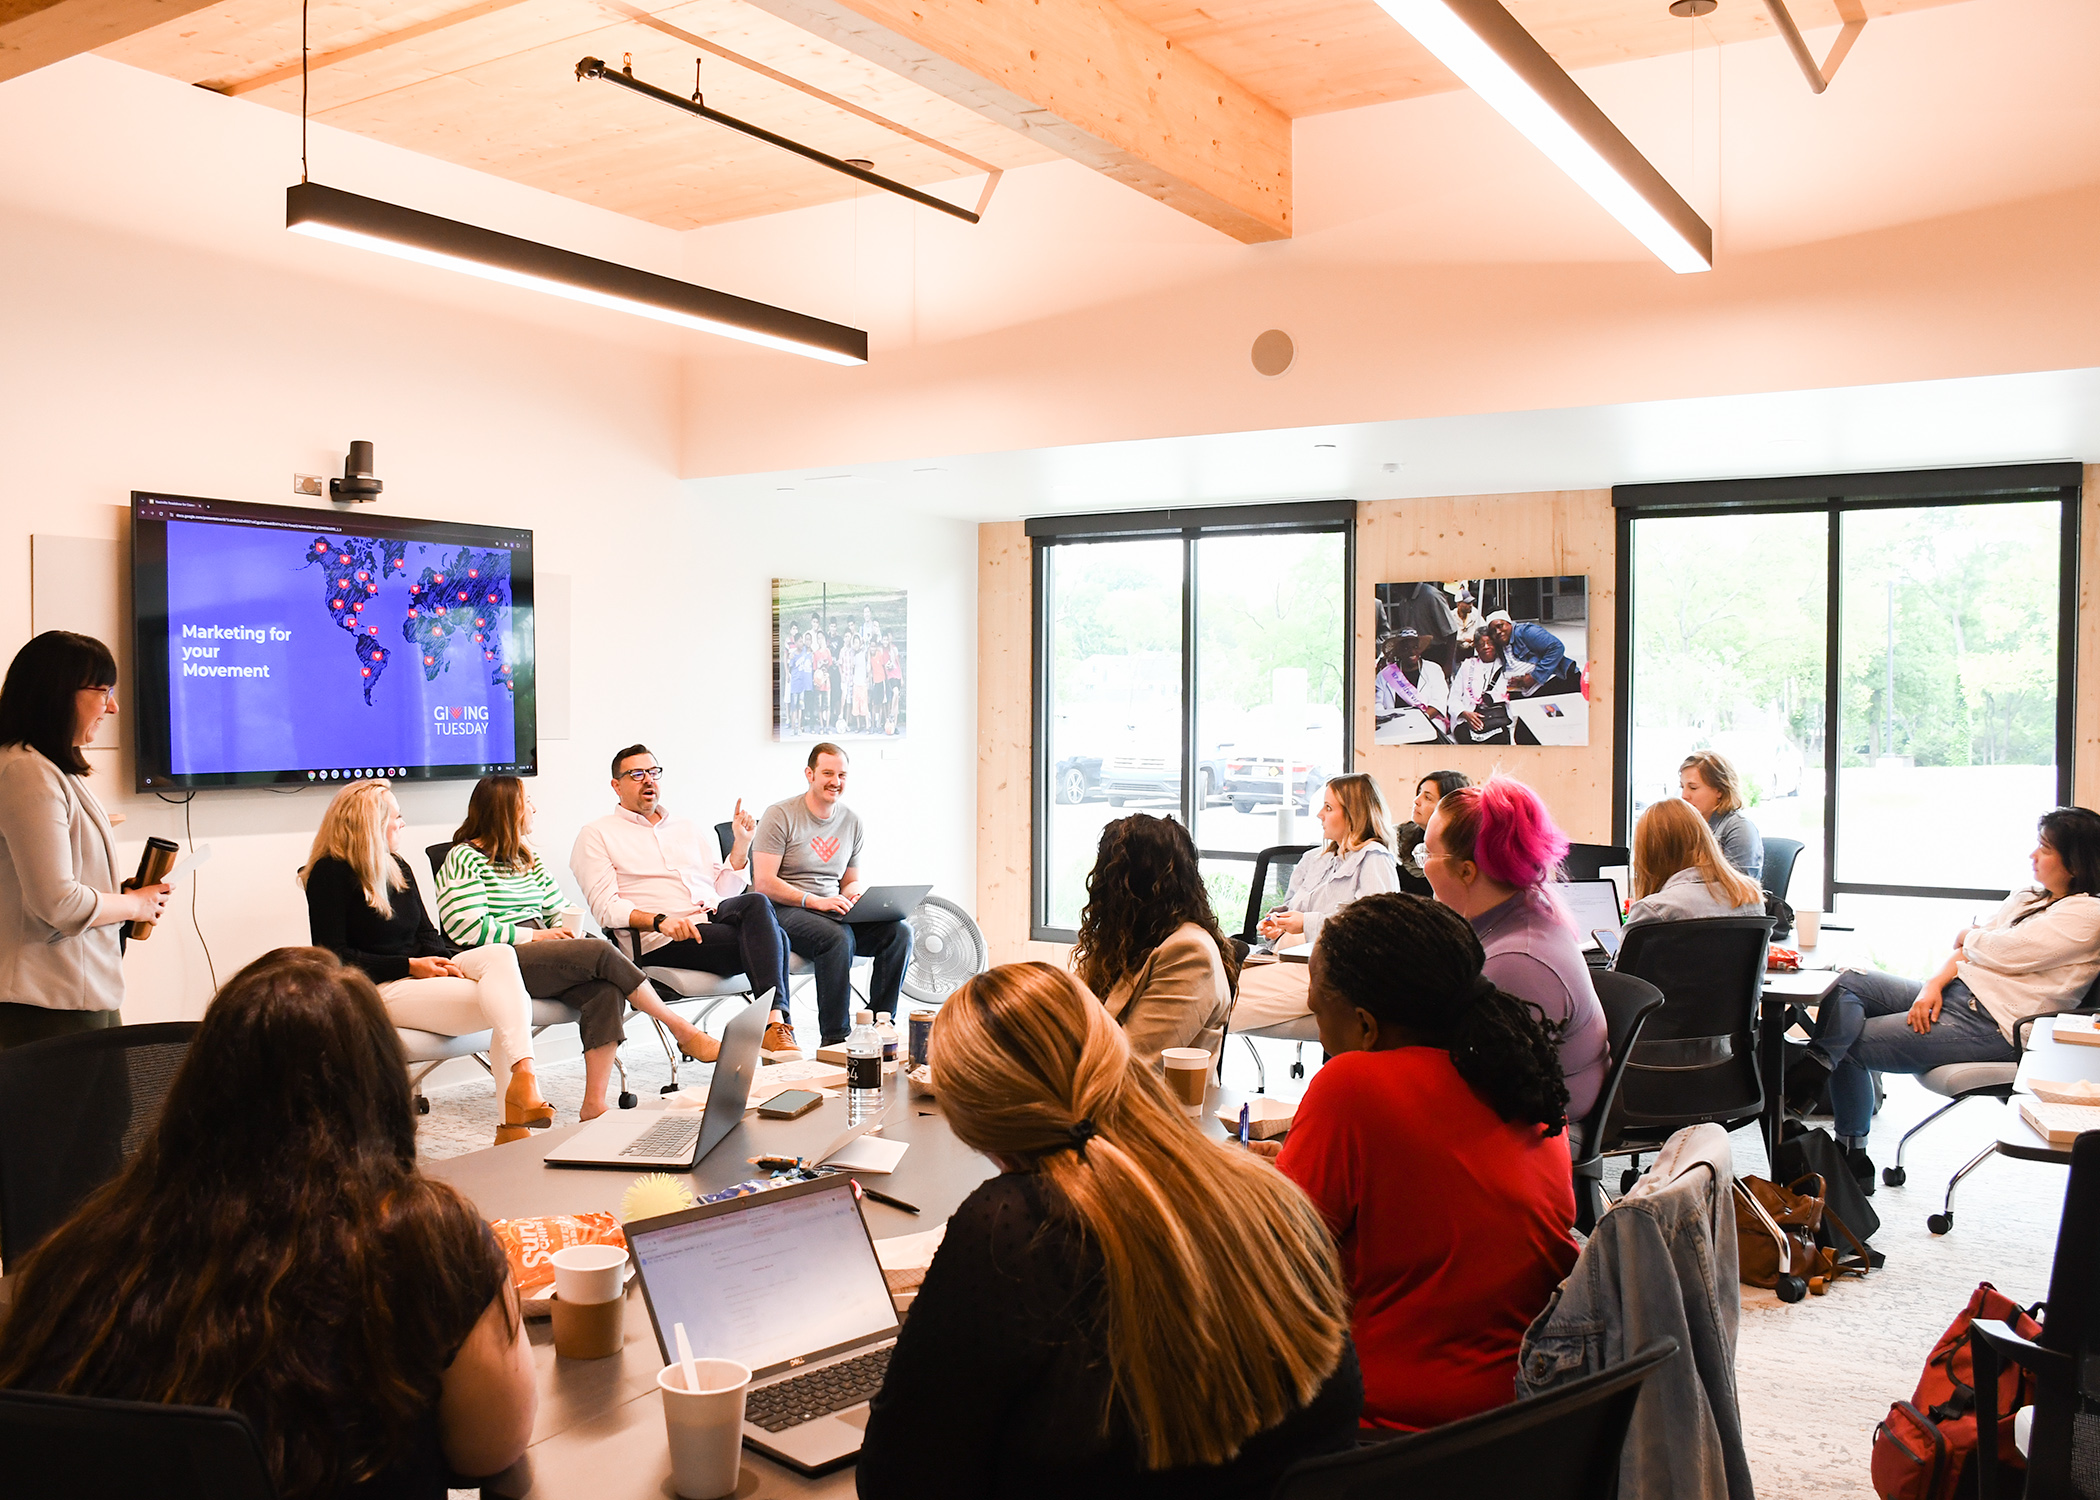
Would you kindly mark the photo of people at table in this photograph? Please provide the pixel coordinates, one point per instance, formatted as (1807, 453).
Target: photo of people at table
(1482, 661)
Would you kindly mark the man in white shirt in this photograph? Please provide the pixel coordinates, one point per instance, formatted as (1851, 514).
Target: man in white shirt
(639, 867)
(807, 858)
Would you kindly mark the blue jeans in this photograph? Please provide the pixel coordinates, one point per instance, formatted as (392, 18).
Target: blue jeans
(1864, 1030)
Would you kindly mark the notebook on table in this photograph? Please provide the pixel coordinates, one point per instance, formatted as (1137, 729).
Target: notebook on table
(788, 1283)
(2059, 1124)
(674, 1140)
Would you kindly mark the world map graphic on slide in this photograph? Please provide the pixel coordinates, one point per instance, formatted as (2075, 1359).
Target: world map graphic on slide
(453, 608)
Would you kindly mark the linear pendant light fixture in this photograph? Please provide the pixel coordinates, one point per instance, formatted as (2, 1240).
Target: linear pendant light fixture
(1495, 57)
(330, 214)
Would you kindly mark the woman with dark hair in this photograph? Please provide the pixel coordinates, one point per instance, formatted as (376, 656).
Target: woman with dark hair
(61, 964)
(494, 888)
(1492, 851)
(1125, 1309)
(1433, 1143)
(2035, 955)
(273, 1250)
(1407, 838)
(1149, 943)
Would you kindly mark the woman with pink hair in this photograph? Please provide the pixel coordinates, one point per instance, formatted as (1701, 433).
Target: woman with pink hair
(1489, 851)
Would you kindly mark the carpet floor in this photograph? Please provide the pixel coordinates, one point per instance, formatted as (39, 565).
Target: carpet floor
(1814, 1377)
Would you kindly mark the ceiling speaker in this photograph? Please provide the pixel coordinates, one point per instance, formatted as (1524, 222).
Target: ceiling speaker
(1273, 352)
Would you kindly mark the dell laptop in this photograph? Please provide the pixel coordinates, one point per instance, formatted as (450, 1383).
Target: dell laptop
(786, 1282)
(674, 1140)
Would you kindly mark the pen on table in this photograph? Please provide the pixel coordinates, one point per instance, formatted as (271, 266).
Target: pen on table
(1243, 1124)
(910, 1208)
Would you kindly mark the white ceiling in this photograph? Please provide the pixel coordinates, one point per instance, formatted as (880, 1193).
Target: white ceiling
(1929, 424)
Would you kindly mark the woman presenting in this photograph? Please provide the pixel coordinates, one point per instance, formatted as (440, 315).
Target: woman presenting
(60, 960)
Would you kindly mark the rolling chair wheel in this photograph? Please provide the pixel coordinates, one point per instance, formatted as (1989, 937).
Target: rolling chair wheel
(1940, 1223)
(1627, 1179)
(628, 1100)
(1791, 1289)
(669, 1088)
(422, 1105)
(1893, 1176)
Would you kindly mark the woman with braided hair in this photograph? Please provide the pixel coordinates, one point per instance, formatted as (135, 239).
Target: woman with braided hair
(1433, 1142)
(1127, 1309)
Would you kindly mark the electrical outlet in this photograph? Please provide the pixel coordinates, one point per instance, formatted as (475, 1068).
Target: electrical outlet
(307, 484)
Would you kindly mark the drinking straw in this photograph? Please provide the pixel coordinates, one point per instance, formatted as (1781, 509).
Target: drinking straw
(685, 1359)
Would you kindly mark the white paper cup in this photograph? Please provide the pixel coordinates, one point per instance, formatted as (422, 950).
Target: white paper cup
(1808, 926)
(589, 1273)
(572, 919)
(1188, 1073)
(705, 1427)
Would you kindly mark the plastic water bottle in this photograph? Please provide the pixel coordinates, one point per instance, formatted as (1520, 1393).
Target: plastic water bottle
(887, 1030)
(863, 1070)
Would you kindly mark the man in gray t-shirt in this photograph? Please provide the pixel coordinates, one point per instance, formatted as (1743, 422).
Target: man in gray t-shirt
(806, 857)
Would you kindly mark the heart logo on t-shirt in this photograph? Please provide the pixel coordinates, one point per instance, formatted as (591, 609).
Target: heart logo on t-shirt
(824, 849)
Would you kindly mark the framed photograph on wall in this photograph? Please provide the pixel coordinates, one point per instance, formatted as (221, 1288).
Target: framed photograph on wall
(1483, 661)
(840, 662)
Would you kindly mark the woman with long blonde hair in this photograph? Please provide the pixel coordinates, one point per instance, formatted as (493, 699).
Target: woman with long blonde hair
(1127, 1309)
(1679, 871)
(363, 906)
(1355, 860)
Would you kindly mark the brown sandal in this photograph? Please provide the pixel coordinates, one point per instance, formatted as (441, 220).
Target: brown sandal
(522, 1104)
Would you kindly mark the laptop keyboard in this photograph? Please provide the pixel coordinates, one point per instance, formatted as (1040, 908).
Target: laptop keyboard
(673, 1137)
(790, 1403)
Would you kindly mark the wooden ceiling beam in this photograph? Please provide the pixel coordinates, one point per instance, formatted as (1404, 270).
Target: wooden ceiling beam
(36, 33)
(1091, 82)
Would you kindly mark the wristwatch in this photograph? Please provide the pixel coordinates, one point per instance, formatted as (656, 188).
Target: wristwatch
(656, 923)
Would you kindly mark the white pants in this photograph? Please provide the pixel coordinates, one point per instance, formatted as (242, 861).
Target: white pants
(492, 997)
(1268, 993)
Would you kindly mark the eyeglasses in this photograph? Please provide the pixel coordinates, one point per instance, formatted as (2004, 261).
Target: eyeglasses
(109, 694)
(650, 773)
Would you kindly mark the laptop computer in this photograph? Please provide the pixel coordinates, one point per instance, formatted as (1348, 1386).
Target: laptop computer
(674, 1140)
(786, 1282)
(1594, 904)
(884, 903)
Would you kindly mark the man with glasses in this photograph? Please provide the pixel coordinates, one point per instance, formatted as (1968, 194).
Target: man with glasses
(640, 867)
(807, 858)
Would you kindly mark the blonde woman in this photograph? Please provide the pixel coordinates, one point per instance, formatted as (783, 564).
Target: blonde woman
(1679, 872)
(1127, 1309)
(1707, 780)
(1356, 860)
(363, 906)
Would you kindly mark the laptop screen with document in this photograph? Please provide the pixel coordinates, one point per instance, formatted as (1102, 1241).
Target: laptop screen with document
(1592, 904)
(781, 1275)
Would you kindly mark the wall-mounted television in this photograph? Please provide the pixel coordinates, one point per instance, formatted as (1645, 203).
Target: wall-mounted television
(277, 645)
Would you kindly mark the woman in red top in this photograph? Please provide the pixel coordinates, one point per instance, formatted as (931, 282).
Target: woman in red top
(1434, 1143)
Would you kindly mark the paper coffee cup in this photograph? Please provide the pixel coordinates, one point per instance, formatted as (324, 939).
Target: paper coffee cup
(1808, 925)
(1188, 1074)
(588, 1330)
(572, 919)
(589, 1273)
(705, 1426)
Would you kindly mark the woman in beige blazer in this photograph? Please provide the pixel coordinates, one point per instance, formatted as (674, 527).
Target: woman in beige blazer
(1149, 944)
(60, 909)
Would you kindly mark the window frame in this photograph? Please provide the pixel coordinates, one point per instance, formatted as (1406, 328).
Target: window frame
(1834, 496)
(1190, 525)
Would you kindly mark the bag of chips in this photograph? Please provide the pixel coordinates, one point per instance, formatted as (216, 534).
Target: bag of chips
(529, 1245)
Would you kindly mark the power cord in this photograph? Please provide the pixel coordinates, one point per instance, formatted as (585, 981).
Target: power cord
(189, 835)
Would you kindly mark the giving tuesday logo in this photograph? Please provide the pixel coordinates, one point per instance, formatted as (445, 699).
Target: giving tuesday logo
(824, 849)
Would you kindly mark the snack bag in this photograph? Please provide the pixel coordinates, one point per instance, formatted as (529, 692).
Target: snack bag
(529, 1245)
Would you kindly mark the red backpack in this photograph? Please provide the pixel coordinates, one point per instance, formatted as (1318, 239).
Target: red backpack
(1922, 1451)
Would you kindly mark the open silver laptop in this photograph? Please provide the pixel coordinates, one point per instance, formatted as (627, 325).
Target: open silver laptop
(787, 1283)
(884, 903)
(1594, 904)
(675, 1139)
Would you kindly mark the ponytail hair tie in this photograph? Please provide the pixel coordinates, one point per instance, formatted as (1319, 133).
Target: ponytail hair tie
(1082, 1132)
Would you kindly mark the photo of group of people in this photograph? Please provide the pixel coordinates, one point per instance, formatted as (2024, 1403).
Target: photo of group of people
(1482, 661)
(838, 661)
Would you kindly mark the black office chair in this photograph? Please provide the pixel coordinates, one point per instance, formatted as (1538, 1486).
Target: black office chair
(73, 1111)
(1627, 1002)
(1590, 861)
(1563, 1445)
(2063, 1450)
(1780, 855)
(1282, 859)
(1696, 1061)
(81, 1446)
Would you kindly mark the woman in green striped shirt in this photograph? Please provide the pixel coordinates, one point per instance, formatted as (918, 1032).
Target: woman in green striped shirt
(493, 888)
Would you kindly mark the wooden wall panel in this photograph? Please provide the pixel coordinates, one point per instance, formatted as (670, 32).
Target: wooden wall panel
(1496, 536)
(2085, 768)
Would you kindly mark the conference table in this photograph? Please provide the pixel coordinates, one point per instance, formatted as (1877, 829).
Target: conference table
(599, 1433)
(1808, 987)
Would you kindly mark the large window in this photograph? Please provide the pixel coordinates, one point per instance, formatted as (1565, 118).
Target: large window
(1885, 658)
(1192, 665)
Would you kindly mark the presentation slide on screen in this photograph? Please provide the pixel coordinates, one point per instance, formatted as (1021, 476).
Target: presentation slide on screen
(334, 654)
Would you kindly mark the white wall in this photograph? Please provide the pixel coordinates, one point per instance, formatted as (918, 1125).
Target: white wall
(210, 353)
